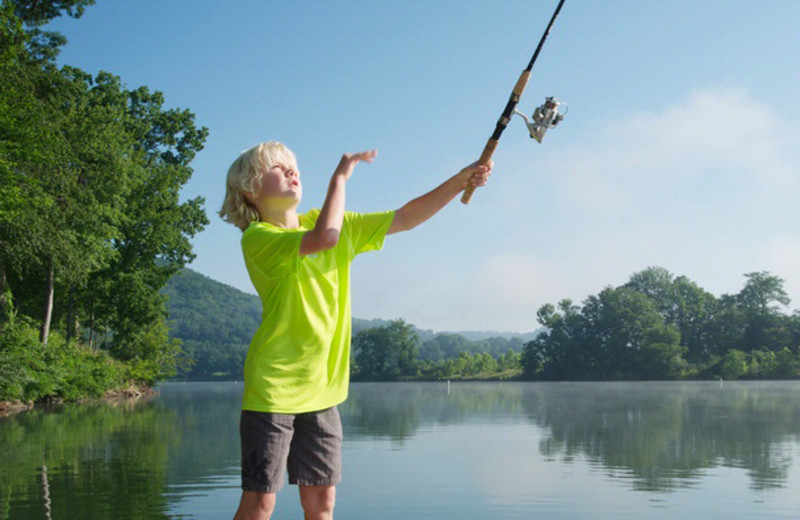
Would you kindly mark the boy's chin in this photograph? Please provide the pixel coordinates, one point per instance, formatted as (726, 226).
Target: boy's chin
(295, 193)
(285, 200)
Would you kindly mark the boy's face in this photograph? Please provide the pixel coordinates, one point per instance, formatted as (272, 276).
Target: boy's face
(281, 182)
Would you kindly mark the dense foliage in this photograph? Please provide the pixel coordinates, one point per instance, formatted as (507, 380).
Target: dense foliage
(658, 326)
(392, 352)
(215, 323)
(91, 226)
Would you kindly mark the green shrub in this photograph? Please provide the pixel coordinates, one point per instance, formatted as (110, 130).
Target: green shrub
(67, 370)
(19, 358)
(733, 365)
(787, 364)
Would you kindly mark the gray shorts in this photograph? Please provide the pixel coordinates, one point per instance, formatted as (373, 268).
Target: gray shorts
(308, 444)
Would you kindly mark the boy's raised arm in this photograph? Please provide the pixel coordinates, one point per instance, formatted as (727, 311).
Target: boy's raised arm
(325, 234)
(422, 208)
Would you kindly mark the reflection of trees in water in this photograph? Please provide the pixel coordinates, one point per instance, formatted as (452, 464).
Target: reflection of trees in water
(666, 435)
(397, 410)
(85, 461)
(116, 460)
(661, 436)
(207, 422)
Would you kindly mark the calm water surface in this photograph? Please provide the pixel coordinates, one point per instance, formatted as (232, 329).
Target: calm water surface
(475, 451)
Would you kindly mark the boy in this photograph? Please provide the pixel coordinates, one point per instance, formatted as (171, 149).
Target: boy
(297, 367)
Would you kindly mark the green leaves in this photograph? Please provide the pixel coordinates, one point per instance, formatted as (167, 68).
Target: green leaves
(37, 12)
(386, 353)
(658, 326)
(90, 176)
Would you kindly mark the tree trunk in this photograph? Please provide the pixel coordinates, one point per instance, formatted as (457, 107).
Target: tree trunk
(4, 310)
(91, 330)
(48, 306)
(72, 318)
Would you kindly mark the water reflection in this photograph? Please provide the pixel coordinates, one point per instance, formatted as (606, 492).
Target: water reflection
(147, 459)
(661, 436)
(398, 411)
(667, 434)
(109, 455)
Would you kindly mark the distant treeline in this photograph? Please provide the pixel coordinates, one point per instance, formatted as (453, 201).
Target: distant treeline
(658, 326)
(394, 352)
(216, 322)
(91, 226)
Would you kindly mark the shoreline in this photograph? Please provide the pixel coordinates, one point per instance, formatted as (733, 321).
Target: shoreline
(129, 393)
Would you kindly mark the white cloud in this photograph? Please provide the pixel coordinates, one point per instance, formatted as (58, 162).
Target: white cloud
(716, 141)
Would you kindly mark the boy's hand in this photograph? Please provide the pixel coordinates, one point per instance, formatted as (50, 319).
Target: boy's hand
(476, 174)
(349, 161)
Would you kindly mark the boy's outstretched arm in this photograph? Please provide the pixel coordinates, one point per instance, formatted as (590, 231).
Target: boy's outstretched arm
(326, 231)
(422, 208)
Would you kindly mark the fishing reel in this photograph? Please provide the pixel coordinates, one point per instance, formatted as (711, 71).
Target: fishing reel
(544, 117)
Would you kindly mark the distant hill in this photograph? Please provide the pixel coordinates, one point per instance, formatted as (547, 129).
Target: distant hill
(203, 309)
(216, 323)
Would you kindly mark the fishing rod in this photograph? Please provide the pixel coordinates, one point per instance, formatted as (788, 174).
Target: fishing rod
(544, 117)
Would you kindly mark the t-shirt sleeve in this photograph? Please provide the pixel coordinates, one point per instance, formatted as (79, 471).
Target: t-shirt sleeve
(275, 252)
(367, 230)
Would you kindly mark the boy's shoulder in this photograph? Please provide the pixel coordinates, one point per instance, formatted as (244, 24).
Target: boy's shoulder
(307, 221)
(309, 218)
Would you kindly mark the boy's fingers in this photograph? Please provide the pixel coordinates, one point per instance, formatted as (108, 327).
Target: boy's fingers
(480, 178)
(368, 156)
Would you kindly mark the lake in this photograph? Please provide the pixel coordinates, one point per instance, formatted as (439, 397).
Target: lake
(699, 450)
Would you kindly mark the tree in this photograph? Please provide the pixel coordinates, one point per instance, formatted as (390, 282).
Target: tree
(564, 350)
(761, 300)
(662, 355)
(681, 303)
(658, 284)
(444, 346)
(693, 315)
(89, 195)
(386, 353)
(734, 364)
(36, 13)
(509, 361)
(617, 334)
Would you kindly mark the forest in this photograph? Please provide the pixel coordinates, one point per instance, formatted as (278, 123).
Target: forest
(655, 326)
(658, 326)
(215, 323)
(91, 225)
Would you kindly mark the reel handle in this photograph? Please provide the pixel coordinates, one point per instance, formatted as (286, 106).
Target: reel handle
(488, 150)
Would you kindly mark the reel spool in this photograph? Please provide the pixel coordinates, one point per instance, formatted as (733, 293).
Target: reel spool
(544, 117)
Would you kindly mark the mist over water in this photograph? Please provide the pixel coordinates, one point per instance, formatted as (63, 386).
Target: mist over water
(426, 450)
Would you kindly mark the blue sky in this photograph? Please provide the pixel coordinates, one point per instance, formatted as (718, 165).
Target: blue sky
(680, 149)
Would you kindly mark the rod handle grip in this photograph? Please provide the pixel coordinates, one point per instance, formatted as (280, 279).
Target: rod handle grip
(486, 156)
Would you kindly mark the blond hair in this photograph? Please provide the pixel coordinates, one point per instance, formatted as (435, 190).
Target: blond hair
(244, 175)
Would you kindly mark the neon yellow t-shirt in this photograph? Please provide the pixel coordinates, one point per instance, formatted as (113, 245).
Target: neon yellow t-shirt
(299, 358)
